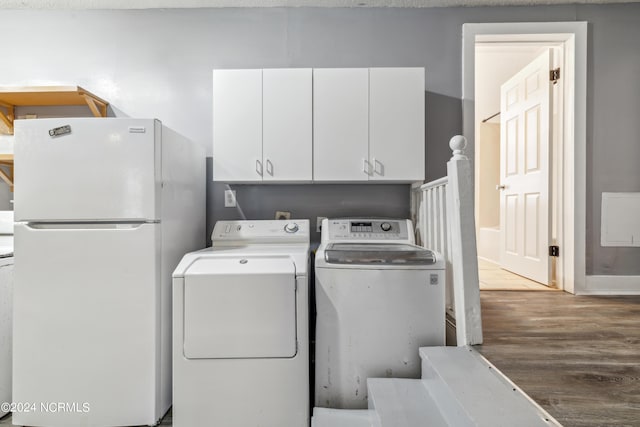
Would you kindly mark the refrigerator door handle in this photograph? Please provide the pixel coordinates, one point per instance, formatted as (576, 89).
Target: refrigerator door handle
(86, 226)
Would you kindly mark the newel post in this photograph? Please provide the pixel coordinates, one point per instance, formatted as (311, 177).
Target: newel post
(464, 253)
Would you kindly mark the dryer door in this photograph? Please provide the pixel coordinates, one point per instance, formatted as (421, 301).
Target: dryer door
(240, 308)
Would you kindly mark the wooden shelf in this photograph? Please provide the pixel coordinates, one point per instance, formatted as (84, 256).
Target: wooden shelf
(11, 97)
(7, 175)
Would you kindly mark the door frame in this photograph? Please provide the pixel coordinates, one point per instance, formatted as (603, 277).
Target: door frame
(572, 219)
(508, 44)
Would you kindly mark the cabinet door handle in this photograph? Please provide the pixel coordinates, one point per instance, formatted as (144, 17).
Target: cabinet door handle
(269, 167)
(377, 163)
(366, 167)
(259, 167)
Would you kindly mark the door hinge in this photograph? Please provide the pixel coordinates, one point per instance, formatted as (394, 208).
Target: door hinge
(554, 75)
(554, 251)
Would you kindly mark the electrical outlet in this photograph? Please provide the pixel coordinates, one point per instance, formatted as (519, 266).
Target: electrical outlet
(230, 198)
(283, 215)
(319, 223)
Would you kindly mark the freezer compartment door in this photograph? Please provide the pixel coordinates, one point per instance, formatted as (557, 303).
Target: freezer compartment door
(86, 315)
(103, 169)
(240, 308)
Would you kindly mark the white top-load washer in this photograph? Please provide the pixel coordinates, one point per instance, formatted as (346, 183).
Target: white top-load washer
(379, 297)
(240, 328)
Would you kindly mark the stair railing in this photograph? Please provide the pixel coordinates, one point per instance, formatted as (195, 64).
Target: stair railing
(444, 216)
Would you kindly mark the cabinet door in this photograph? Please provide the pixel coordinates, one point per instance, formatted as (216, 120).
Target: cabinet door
(341, 124)
(287, 133)
(237, 125)
(396, 123)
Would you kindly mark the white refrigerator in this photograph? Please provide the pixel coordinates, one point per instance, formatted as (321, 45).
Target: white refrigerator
(104, 208)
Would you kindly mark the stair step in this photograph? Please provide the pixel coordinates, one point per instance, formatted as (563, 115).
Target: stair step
(403, 403)
(459, 377)
(325, 417)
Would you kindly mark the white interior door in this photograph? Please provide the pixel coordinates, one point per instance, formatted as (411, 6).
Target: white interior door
(525, 130)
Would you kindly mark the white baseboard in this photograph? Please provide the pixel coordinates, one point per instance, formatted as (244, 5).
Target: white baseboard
(610, 285)
(489, 244)
(497, 264)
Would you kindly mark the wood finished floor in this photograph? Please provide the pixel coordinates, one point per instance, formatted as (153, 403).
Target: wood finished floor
(166, 421)
(494, 278)
(577, 356)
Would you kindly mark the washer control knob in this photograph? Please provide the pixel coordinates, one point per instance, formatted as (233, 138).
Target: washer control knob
(385, 226)
(291, 227)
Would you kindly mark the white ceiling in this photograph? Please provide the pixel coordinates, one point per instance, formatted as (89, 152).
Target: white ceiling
(165, 4)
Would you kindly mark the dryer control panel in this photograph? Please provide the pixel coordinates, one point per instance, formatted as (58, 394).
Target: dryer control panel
(261, 231)
(398, 230)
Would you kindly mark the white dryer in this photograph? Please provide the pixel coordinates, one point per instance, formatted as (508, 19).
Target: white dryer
(378, 299)
(240, 328)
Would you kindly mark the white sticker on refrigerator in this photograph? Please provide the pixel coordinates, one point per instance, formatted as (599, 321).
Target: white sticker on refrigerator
(62, 130)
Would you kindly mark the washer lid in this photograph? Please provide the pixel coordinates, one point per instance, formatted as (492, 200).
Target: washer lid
(372, 253)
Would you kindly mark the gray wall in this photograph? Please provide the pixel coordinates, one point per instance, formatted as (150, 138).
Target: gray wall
(306, 201)
(5, 198)
(158, 63)
(613, 125)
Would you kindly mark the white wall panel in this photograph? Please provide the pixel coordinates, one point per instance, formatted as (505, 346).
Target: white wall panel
(620, 219)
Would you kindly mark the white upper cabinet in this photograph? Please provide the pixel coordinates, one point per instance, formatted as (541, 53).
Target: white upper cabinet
(396, 124)
(262, 125)
(237, 125)
(341, 124)
(368, 124)
(287, 121)
(328, 125)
